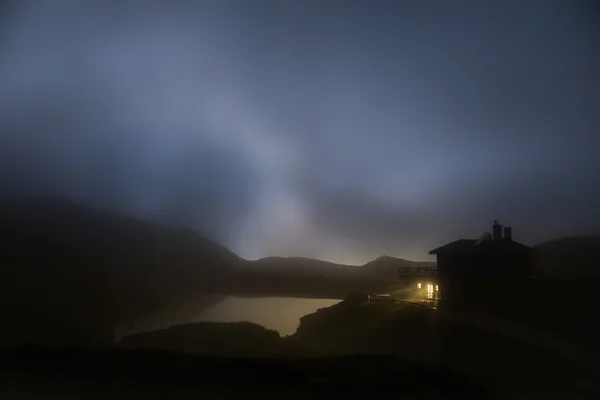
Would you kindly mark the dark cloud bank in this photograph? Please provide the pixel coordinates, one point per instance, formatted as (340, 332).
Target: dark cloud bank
(332, 129)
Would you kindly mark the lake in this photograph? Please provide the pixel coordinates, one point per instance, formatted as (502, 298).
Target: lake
(281, 314)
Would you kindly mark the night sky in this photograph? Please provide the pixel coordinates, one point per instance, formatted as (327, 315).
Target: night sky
(341, 130)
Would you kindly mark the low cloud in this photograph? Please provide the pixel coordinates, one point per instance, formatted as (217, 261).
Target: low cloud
(333, 130)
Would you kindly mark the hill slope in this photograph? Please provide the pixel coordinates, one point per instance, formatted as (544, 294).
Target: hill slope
(570, 257)
(384, 268)
(70, 272)
(226, 339)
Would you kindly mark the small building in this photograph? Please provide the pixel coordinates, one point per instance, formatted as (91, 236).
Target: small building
(484, 270)
(427, 290)
(422, 282)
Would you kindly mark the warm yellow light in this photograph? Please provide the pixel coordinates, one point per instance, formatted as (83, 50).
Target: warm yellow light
(437, 288)
(429, 291)
(419, 285)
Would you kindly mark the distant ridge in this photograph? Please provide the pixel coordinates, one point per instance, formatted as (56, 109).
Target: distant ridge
(569, 257)
(384, 268)
(389, 260)
(90, 269)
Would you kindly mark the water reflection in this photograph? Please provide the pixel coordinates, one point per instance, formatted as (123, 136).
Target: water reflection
(278, 313)
(281, 314)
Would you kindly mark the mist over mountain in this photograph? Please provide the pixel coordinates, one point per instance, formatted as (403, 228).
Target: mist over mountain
(322, 129)
(573, 257)
(69, 272)
(384, 267)
(212, 176)
(91, 269)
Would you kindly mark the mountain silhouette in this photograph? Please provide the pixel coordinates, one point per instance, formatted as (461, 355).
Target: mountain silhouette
(384, 268)
(70, 273)
(302, 266)
(573, 257)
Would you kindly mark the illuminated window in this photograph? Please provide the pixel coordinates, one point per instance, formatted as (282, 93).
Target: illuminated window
(429, 291)
(437, 288)
(419, 285)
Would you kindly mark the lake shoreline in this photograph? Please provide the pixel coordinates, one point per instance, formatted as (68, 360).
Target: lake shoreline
(279, 313)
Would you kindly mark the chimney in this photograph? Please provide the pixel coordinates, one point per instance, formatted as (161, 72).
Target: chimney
(497, 230)
(507, 233)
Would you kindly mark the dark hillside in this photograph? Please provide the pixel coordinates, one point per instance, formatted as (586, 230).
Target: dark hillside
(384, 268)
(576, 257)
(241, 339)
(70, 272)
(163, 375)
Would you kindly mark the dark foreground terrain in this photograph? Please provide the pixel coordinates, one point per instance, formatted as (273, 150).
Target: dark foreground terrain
(494, 354)
(70, 274)
(79, 374)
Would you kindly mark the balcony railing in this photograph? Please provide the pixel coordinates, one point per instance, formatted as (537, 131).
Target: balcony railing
(417, 271)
